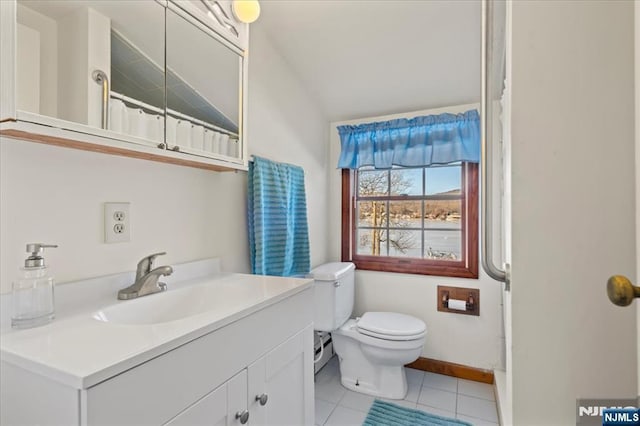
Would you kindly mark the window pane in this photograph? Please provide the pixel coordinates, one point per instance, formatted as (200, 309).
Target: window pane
(442, 245)
(372, 242)
(405, 243)
(442, 214)
(444, 180)
(372, 213)
(373, 183)
(406, 182)
(405, 214)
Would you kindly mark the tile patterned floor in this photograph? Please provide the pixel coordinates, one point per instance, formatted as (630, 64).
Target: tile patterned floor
(434, 393)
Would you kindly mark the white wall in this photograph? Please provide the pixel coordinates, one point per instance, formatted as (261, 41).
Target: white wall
(572, 205)
(463, 339)
(285, 125)
(48, 58)
(55, 195)
(73, 48)
(28, 69)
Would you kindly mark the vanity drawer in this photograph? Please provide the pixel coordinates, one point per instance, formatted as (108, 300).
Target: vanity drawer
(156, 391)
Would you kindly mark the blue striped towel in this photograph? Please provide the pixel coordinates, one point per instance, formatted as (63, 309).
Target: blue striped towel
(384, 413)
(277, 217)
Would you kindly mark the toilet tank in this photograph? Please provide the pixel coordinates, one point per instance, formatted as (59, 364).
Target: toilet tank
(334, 292)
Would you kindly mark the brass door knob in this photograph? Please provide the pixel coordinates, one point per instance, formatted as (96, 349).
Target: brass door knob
(620, 290)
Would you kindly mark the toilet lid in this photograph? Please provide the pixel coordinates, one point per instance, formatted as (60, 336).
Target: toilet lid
(391, 326)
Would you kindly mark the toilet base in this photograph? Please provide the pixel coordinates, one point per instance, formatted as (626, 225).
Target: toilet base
(361, 371)
(386, 382)
(371, 365)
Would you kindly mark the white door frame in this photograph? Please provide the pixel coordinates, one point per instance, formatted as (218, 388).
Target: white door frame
(637, 105)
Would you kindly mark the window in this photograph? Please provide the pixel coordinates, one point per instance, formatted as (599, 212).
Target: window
(413, 220)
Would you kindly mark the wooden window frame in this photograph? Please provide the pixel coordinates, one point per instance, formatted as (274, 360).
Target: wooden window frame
(467, 267)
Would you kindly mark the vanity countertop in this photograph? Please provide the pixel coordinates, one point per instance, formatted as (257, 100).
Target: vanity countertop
(80, 350)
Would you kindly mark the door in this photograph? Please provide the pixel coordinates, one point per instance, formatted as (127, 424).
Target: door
(224, 406)
(572, 204)
(281, 384)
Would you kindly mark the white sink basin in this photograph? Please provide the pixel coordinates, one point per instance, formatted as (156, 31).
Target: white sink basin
(219, 296)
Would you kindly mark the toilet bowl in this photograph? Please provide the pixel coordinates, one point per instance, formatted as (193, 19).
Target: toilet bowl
(372, 362)
(373, 349)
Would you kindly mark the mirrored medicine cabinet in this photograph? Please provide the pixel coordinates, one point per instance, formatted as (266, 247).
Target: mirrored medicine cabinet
(151, 79)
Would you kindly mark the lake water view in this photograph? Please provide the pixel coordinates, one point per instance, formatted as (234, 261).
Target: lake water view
(442, 239)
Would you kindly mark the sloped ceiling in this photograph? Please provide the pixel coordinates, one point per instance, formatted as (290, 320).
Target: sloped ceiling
(361, 58)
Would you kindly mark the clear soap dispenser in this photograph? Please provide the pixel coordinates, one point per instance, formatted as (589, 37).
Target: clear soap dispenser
(32, 296)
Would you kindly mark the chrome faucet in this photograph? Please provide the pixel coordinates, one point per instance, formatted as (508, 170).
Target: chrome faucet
(146, 279)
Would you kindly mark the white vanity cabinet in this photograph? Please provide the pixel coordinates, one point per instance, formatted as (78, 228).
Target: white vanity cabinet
(278, 393)
(271, 391)
(161, 80)
(227, 405)
(260, 364)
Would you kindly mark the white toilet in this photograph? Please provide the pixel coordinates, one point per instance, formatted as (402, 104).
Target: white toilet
(372, 349)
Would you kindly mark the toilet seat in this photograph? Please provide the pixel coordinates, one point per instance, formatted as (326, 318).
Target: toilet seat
(391, 338)
(391, 326)
(350, 329)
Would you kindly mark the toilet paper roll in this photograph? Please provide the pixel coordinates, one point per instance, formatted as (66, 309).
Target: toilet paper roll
(458, 305)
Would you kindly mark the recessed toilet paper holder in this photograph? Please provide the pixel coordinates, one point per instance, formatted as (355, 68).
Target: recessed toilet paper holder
(459, 300)
(469, 303)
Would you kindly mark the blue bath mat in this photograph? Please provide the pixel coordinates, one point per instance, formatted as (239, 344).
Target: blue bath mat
(384, 413)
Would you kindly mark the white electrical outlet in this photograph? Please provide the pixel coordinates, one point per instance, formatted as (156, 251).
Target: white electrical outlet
(117, 222)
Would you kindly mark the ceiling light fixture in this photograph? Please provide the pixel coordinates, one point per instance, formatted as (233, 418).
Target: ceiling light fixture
(246, 11)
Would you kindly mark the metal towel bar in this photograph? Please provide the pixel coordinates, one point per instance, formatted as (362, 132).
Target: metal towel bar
(100, 77)
(486, 219)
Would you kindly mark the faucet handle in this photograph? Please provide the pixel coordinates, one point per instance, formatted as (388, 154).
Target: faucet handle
(145, 265)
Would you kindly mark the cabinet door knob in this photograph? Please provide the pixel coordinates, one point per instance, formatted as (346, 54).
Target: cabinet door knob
(243, 416)
(262, 398)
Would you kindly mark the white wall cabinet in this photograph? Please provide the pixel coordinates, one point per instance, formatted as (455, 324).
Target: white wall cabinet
(260, 364)
(127, 78)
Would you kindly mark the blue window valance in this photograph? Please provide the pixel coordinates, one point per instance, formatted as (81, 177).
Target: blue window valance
(415, 142)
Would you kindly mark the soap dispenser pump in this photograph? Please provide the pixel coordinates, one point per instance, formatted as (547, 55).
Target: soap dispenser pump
(32, 296)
